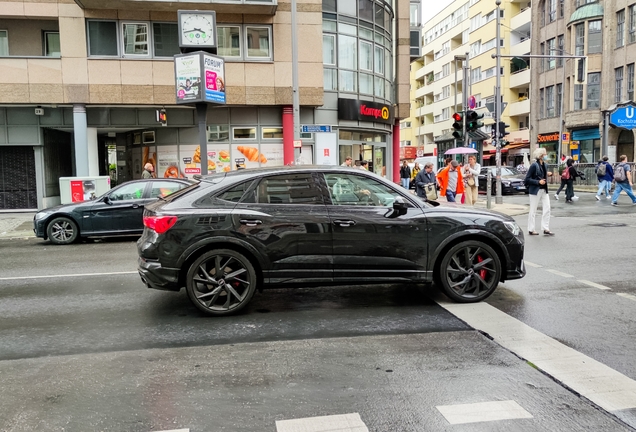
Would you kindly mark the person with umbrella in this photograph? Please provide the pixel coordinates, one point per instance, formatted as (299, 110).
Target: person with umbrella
(451, 181)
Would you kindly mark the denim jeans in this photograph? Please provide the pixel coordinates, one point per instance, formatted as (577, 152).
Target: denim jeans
(627, 188)
(450, 196)
(604, 186)
(406, 182)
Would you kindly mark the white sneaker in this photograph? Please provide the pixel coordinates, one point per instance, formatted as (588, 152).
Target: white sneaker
(598, 198)
(556, 197)
(609, 197)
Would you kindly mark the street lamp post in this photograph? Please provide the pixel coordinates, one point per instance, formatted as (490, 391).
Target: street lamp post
(499, 197)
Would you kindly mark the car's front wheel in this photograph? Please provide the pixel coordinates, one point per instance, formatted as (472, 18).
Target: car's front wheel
(469, 272)
(221, 282)
(62, 231)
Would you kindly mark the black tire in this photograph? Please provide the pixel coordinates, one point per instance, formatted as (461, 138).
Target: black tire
(206, 290)
(62, 231)
(469, 272)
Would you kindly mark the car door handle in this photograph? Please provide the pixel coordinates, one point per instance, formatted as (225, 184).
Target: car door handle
(137, 205)
(251, 222)
(344, 222)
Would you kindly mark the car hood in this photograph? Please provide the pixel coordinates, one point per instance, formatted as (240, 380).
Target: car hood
(68, 208)
(460, 209)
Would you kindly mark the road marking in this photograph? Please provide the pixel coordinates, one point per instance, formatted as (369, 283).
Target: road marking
(595, 285)
(483, 412)
(176, 430)
(68, 275)
(627, 296)
(597, 382)
(339, 423)
(528, 263)
(559, 273)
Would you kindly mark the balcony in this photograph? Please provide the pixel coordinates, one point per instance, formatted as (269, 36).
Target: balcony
(257, 7)
(424, 90)
(520, 79)
(521, 19)
(519, 108)
(521, 48)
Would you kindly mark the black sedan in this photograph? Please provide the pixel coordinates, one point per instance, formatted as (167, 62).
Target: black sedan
(117, 212)
(234, 233)
(511, 180)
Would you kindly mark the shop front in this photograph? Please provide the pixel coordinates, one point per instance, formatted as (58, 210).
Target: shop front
(550, 142)
(586, 145)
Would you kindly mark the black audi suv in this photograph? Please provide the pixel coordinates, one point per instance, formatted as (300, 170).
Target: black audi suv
(234, 233)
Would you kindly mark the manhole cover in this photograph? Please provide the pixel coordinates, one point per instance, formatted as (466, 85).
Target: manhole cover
(609, 225)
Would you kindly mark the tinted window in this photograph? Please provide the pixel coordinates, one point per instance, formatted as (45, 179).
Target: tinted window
(129, 191)
(164, 188)
(234, 194)
(349, 189)
(288, 189)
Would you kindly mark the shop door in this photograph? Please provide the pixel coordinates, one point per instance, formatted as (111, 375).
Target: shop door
(625, 145)
(17, 178)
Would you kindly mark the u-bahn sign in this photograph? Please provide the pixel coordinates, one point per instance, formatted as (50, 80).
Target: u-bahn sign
(624, 116)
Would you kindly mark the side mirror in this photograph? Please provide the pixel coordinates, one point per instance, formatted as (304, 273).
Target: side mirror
(400, 206)
(107, 200)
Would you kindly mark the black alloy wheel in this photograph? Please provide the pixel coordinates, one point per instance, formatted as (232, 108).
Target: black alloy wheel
(62, 231)
(470, 272)
(221, 282)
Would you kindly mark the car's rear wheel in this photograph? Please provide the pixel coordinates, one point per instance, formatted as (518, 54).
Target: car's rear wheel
(62, 231)
(221, 282)
(469, 272)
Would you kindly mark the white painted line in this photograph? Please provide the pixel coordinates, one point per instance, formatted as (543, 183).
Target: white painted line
(558, 273)
(332, 423)
(597, 382)
(528, 263)
(69, 275)
(627, 296)
(595, 285)
(483, 412)
(176, 430)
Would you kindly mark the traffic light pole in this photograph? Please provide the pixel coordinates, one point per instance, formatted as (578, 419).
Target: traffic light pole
(465, 92)
(499, 197)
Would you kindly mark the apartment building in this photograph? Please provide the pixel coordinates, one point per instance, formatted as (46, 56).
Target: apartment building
(82, 82)
(408, 144)
(580, 103)
(468, 29)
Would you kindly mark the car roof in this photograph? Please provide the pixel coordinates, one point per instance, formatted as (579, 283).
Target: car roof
(287, 169)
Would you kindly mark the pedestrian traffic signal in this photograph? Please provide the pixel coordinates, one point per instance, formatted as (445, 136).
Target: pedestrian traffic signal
(502, 129)
(458, 133)
(162, 117)
(472, 121)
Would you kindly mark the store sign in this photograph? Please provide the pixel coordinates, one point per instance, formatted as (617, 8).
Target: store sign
(200, 77)
(408, 152)
(624, 116)
(352, 109)
(542, 138)
(565, 137)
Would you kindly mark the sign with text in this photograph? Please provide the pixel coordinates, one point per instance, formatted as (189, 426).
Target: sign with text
(353, 109)
(200, 77)
(565, 137)
(549, 137)
(316, 128)
(624, 116)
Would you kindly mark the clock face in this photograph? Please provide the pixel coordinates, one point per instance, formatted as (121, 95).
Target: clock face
(197, 29)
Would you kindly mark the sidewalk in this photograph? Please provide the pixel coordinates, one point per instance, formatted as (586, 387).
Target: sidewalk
(505, 208)
(16, 225)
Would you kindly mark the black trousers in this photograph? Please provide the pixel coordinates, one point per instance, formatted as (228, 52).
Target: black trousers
(569, 190)
(563, 184)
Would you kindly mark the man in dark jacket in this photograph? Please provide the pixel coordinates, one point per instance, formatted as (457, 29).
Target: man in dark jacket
(604, 179)
(423, 178)
(405, 175)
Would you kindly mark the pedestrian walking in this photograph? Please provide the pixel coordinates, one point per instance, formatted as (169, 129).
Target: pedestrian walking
(426, 181)
(414, 172)
(471, 174)
(623, 179)
(405, 175)
(451, 181)
(562, 168)
(348, 161)
(537, 184)
(569, 175)
(605, 174)
(149, 171)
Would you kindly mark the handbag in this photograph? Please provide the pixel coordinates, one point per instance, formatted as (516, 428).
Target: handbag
(470, 181)
(430, 190)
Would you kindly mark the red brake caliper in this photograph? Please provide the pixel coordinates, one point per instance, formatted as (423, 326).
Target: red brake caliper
(482, 272)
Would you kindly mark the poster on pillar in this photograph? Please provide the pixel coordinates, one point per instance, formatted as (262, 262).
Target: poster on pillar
(187, 71)
(149, 155)
(326, 149)
(190, 157)
(249, 155)
(169, 162)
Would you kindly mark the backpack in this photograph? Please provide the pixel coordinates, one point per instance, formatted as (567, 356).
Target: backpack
(566, 173)
(619, 173)
(601, 170)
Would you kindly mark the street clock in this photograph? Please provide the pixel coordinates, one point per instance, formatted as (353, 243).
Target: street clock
(197, 29)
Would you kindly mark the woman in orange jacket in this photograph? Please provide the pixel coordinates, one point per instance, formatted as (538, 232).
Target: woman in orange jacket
(451, 181)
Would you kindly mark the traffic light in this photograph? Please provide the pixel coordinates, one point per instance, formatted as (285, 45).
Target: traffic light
(502, 129)
(162, 117)
(472, 121)
(458, 125)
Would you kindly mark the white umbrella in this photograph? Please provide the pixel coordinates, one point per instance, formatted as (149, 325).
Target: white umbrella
(526, 161)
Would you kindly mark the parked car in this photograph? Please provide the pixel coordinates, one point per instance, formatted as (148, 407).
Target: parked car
(117, 212)
(234, 233)
(511, 180)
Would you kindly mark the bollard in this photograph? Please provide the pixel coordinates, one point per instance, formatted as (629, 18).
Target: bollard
(489, 189)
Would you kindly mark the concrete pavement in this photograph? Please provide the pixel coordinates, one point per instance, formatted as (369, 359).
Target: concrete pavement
(16, 225)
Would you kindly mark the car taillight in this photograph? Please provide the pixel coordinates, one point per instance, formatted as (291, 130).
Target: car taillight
(160, 224)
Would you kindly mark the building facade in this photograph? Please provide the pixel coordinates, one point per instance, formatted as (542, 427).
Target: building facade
(83, 82)
(576, 98)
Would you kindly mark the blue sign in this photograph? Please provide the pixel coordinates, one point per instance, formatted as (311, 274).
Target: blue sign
(473, 145)
(315, 128)
(624, 116)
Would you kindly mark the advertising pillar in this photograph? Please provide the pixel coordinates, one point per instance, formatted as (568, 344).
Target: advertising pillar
(288, 135)
(396, 152)
(81, 145)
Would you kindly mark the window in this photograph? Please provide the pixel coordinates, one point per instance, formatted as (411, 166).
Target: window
(135, 39)
(549, 101)
(164, 188)
(102, 38)
(379, 87)
(551, 47)
(541, 103)
(620, 28)
(348, 82)
(630, 82)
(347, 52)
(228, 41)
(445, 92)
(379, 60)
(128, 191)
(475, 75)
(329, 49)
(244, 133)
(272, 133)
(218, 133)
(593, 90)
(579, 47)
(257, 41)
(595, 37)
(488, 73)
(288, 189)
(236, 193)
(365, 11)
(561, 50)
(542, 61)
(578, 97)
(475, 22)
(632, 24)
(618, 90)
(330, 77)
(561, 8)
(446, 70)
(366, 83)
(350, 189)
(475, 49)
(559, 98)
(165, 40)
(4, 43)
(347, 7)
(51, 44)
(552, 11)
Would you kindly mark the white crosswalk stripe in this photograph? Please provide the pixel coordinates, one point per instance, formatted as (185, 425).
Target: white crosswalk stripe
(483, 412)
(333, 423)
(594, 284)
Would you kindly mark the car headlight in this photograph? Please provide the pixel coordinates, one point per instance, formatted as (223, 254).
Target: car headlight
(505, 183)
(40, 215)
(513, 228)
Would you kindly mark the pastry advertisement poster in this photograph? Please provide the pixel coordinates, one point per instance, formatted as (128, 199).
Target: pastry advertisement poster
(214, 73)
(273, 154)
(169, 162)
(219, 158)
(251, 153)
(190, 157)
(187, 71)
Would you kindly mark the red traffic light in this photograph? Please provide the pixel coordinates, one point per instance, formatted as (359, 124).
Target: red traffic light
(457, 117)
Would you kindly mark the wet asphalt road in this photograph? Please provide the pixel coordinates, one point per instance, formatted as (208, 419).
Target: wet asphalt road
(118, 330)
